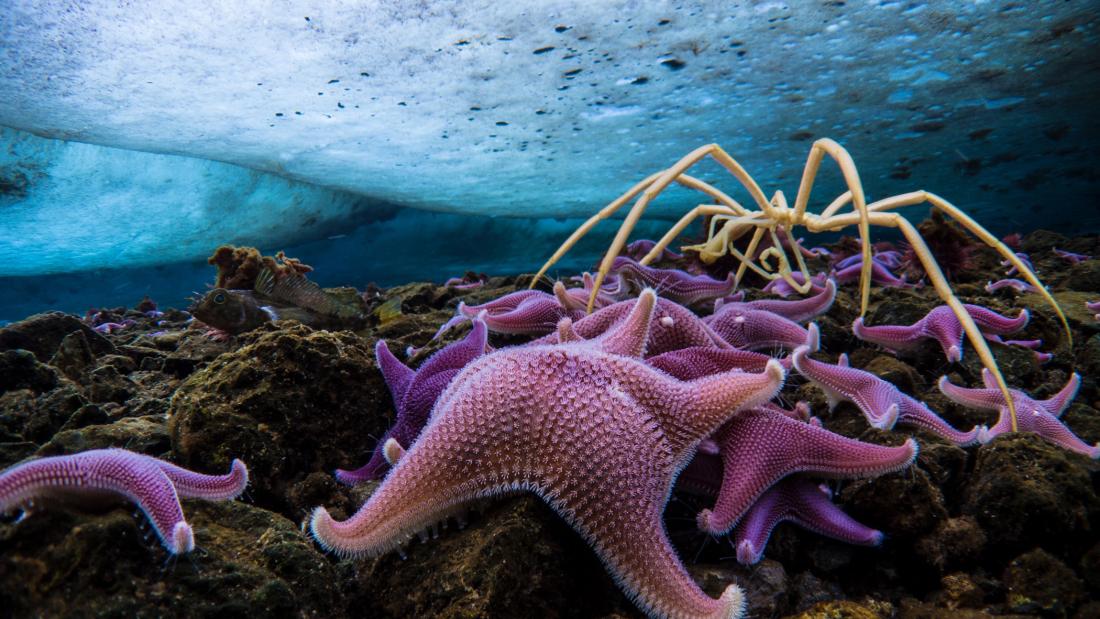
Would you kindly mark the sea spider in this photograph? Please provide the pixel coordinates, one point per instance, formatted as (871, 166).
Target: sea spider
(775, 217)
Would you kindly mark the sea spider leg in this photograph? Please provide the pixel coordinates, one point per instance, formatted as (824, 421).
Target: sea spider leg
(918, 197)
(851, 177)
(684, 179)
(591, 222)
(939, 282)
(715, 210)
(667, 177)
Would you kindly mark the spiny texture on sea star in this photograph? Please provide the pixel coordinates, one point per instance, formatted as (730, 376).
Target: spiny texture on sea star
(753, 329)
(588, 427)
(673, 284)
(699, 361)
(155, 486)
(761, 446)
(880, 401)
(1038, 416)
(798, 310)
(674, 327)
(414, 393)
(804, 502)
(939, 323)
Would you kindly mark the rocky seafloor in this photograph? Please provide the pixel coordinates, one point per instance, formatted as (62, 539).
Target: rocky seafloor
(1009, 528)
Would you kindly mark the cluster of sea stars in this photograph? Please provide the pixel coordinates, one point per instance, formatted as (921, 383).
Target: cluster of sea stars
(604, 415)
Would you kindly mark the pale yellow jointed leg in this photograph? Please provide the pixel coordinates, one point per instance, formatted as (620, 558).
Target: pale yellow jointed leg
(939, 282)
(653, 190)
(678, 227)
(917, 197)
(851, 177)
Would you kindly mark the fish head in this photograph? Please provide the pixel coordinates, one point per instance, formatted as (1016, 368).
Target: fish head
(232, 311)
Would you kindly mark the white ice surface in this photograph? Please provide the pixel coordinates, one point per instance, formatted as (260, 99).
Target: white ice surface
(556, 107)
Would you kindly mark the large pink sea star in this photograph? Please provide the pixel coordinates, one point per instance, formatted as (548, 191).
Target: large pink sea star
(585, 425)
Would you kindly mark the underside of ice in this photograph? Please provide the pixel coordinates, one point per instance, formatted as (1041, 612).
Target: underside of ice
(548, 108)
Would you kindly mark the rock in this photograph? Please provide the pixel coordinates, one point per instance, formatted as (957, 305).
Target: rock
(517, 559)
(253, 563)
(1025, 492)
(765, 584)
(840, 609)
(146, 435)
(955, 542)
(290, 402)
(902, 505)
(960, 591)
(30, 417)
(1038, 583)
(106, 384)
(42, 334)
(19, 369)
(1084, 276)
(74, 355)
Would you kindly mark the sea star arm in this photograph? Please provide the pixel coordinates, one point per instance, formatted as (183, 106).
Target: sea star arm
(192, 485)
(891, 337)
(799, 500)
(992, 322)
(753, 329)
(801, 309)
(878, 400)
(981, 399)
(103, 473)
(781, 446)
(674, 284)
(396, 374)
(1057, 403)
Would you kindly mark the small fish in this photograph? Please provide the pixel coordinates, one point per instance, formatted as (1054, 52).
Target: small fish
(291, 297)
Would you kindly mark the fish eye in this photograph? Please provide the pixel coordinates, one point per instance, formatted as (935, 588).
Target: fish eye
(219, 298)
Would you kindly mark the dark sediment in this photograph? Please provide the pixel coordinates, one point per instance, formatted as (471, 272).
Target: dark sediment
(1009, 528)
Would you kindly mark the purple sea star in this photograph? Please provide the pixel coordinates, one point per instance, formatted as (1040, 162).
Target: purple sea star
(1015, 284)
(759, 447)
(799, 310)
(1023, 258)
(640, 248)
(1093, 306)
(414, 394)
(117, 474)
(585, 425)
(879, 275)
(781, 288)
(804, 502)
(1039, 416)
(753, 329)
(674, 327)
(674, 284)
(939, 323)
(524, 312)
(1071, 257)
(881, 402)
(699, 361)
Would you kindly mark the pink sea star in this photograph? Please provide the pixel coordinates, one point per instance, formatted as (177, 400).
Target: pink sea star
(798, 310)
(804, 502)
(1069, 256)
(753, 329)
(673, 284)
(117, 474)
(781, 288)
(414, 393)
(1015, 284)
(585, 425)
(1039, 416)
(881, 402)
(939, 323)
(674, 327)
(759, 447)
